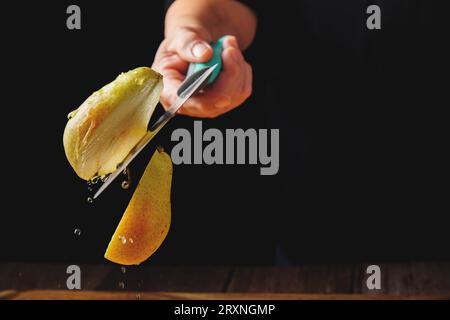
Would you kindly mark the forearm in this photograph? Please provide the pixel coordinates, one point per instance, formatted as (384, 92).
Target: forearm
(218, 17)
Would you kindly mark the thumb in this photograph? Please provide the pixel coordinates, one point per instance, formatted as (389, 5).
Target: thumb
(191, 47)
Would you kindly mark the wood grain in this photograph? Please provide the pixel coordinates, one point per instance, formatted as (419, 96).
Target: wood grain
(398, 280)
(24, 276)
(306, 279)
(413, 278)
(136, 278)
(91, 295)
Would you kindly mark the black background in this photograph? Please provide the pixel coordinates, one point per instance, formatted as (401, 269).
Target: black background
(362, 117)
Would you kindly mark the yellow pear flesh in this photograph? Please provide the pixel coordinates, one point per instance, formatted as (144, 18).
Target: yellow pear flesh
(146, 221)
(103, 130)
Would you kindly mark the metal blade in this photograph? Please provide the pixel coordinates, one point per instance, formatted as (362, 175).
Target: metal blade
(158, 125)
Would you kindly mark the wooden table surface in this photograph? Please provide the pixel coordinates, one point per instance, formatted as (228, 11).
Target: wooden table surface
(331, 281)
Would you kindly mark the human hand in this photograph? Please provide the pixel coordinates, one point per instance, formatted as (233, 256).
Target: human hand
(231, 88)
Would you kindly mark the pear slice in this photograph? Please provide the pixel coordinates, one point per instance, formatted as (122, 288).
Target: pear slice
(146, 221)
(104, 129)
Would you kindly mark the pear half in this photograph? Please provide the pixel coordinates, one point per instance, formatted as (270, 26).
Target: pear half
(146, 220)
(104, 129)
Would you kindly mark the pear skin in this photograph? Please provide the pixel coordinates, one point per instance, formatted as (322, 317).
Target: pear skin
(105, 128)
(146, 221)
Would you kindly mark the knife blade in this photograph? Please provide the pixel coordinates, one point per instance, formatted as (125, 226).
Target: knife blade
(192, 84)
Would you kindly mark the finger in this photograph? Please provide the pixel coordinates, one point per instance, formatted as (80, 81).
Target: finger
(170, 61)
(230, 42)
(248, 83)
(169, 93)
(230, 89)
(162, 50)
(173, 68)
(191, 46)
(173, 76)
(225, 91)
(231, 78)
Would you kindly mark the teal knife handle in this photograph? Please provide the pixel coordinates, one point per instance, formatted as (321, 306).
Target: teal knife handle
(216, 59)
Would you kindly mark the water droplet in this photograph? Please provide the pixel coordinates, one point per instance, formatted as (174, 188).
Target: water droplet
(125, 185)
(121, 285)
(123, 239)
(77, 232)
(94, 180)
(89, 189)
(90, 200)
(130, 240)
(71, 114)
(123, 269)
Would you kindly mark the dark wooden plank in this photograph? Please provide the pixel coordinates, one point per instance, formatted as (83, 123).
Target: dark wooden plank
(8, 294)
(333, 278)
(360, 277)
(145, 278)
(417, 278)
(24, 276)
(129, 295)
(307, 279)
(7, 274)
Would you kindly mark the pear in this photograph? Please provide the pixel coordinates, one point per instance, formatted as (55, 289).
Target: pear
(146, 220)
(103, 130)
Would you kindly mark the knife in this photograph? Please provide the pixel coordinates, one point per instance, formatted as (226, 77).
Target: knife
(198, 76)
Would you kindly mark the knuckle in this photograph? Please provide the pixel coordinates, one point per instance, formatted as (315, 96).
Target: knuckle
(171, 44)
(166, 98)
(167, 59)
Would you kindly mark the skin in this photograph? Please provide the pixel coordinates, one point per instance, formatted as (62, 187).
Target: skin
(190, 26)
